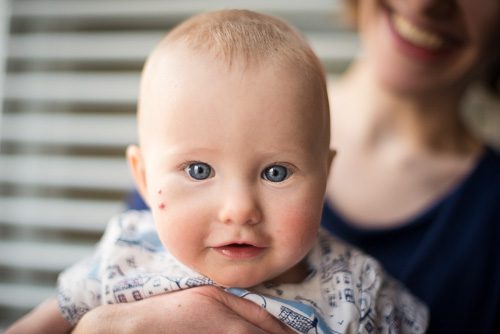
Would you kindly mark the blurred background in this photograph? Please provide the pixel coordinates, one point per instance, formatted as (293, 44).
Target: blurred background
(69, 72)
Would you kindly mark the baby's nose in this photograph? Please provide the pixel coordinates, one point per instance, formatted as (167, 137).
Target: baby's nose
(240, 205)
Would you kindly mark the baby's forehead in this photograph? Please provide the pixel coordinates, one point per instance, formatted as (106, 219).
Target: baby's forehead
(176, 69)
(176, 64)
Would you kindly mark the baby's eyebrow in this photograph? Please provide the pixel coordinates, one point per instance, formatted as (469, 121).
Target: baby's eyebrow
(286, 151)
(184, 154)
(187, 150)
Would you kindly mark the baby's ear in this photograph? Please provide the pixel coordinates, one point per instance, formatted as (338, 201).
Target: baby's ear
(137, 168)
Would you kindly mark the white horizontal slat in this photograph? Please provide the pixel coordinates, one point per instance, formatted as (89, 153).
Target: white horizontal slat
(23, 296)
(73, 87)
(60, 171)
(121, 88)
(58, 213)
(44, 256)
(151, 8)
(135, 46)
(128, 46)
(70, 129)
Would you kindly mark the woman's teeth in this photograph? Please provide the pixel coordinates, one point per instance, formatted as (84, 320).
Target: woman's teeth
(416, 35)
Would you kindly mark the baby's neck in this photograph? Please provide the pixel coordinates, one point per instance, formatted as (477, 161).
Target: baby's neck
(296, 274)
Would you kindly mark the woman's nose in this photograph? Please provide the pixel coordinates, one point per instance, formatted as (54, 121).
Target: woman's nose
(240, 205)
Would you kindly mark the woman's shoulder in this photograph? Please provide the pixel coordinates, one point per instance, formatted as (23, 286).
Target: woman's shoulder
(491, 160)
(484, 181)
(491, 154)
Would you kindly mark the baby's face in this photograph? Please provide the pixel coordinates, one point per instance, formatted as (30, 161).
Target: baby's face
(235, 167)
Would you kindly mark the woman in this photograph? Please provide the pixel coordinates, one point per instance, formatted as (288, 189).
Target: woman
(411, 184)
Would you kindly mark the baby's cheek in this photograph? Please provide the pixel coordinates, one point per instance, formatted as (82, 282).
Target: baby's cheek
(299, 227)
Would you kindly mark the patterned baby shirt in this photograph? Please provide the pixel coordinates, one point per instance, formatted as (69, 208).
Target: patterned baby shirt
(345, 292)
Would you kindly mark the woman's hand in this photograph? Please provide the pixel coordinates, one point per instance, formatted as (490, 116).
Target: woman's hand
(204, 309)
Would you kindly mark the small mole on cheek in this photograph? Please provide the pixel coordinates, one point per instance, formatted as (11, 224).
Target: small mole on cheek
(159, 192)
(161, 206)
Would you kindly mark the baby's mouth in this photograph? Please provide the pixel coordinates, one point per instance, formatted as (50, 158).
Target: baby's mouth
(239, 251)
(416, 35)
(239, 245)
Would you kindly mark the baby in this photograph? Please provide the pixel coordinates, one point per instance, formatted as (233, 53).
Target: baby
(233, 160)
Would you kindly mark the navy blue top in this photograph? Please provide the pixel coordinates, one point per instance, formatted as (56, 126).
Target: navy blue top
(449, 256)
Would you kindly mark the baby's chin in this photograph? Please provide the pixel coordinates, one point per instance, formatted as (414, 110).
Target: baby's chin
(243, 278)
(246, 279)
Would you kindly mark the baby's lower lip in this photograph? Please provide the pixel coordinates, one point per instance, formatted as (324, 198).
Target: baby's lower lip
(239, 252)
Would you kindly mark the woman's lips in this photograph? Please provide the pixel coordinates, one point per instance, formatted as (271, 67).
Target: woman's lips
(237, 251)
(419, 42)
(416, 35)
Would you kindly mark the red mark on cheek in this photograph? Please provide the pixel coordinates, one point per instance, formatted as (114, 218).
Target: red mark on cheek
(161, 205)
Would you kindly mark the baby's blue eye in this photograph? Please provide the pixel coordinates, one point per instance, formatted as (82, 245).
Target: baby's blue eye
(199, 170)
(275, 173)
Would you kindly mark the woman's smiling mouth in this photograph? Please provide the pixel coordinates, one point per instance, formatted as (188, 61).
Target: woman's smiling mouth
(416, 35)
(420, 41)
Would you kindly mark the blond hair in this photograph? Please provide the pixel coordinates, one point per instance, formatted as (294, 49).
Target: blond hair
(242, 34)
(248, 38)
